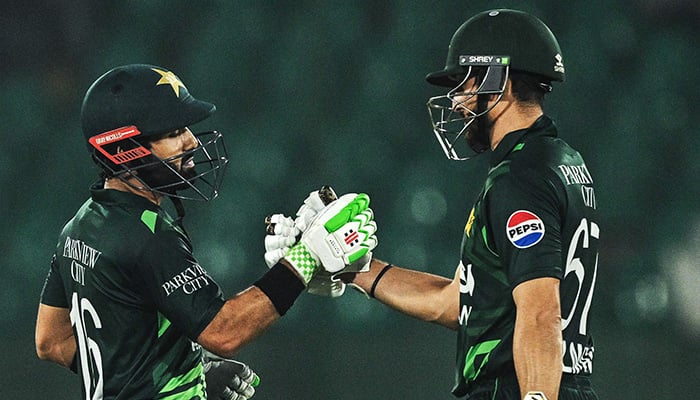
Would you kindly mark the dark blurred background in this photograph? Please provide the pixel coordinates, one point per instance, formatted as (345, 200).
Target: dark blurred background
(332, 92)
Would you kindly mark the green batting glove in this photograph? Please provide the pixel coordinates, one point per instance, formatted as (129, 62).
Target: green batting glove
(341, 234)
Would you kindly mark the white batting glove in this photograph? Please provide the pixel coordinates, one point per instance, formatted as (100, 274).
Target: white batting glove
(228, 379)
(283, 232)
(341, 234)
(323, 283)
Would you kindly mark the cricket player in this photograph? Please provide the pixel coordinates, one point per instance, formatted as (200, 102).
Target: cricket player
(520, 298)
(126, 305)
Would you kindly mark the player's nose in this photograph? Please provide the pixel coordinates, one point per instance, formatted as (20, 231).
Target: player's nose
(189, 141)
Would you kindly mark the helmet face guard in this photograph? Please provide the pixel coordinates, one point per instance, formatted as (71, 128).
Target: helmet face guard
(121, 155)
(452, 120)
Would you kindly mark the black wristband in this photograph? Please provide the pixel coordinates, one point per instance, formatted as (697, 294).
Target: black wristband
(281, 286)
(74, 364)
(379, 276)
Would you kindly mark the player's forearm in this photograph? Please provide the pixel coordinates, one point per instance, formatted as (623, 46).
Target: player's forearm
(248, 314)
(418, 294)
(537, 353)
(242, 318)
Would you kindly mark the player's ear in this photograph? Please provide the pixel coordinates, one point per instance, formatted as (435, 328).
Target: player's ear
(507, 91)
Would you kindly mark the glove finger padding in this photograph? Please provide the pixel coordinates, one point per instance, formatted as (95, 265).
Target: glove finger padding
(314, 203)
(308, 211)
(281, 233)
(229, 379)
(238, 389)
(272, 257)
(279, 224)
(275, 242)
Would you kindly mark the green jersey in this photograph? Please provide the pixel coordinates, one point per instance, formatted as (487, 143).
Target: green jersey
(535, 217)
(138, 299)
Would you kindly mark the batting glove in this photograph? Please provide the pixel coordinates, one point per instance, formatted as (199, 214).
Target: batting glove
(283, 232)
(323, 283)
(228, 379)
(341, 235)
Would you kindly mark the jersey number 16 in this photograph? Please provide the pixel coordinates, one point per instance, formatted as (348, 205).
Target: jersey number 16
(90, 356)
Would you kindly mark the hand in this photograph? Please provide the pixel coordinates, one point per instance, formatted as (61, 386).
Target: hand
(281, 234)
(314, 203)
(228, 379)
(341, 234)
(324, 283)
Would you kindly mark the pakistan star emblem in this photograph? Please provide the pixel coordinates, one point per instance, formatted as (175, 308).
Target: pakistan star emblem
(168, 78)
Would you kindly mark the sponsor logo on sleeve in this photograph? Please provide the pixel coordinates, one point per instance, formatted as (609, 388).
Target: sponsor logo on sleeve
(190, 280)
(83, 258)
(524, 229)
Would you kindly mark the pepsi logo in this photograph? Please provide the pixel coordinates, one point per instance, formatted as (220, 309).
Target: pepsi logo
(524, 229)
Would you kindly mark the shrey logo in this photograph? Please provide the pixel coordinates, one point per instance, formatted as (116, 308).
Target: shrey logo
(351, 237)
(524, 229)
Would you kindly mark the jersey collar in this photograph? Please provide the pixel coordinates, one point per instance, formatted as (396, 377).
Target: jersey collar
(117, 197)
(543, 126)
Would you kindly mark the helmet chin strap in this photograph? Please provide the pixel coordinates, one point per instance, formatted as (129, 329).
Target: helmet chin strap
(480, 141)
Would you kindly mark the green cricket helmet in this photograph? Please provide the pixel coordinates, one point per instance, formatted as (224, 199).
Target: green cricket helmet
(526, 40)
(132, 105)
(489, 45)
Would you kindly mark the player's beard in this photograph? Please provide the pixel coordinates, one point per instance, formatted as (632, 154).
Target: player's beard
(478, 133)
(162, 178)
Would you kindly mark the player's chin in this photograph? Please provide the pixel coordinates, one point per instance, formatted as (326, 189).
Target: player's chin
(187, 178)
(179, 178)
(188, 172)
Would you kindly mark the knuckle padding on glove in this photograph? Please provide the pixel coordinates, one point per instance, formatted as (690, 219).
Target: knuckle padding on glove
(229, 379)
(273, 242)
(229, 394)
(369, 228)
(279, 219)
(283, 230)
(347, 213)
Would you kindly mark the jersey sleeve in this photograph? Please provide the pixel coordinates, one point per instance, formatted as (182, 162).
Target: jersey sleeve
(181, 289)
(525, 221)
(53, 293)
